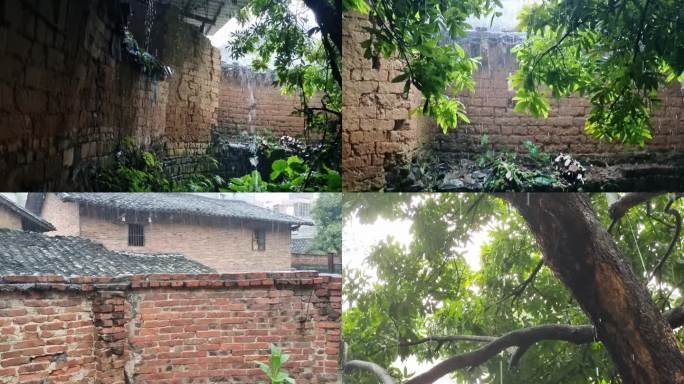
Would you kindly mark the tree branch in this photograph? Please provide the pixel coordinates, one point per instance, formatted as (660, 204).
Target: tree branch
(449, 339)
(377, 370)
(627, 202)
(523, 339)
(675, 238)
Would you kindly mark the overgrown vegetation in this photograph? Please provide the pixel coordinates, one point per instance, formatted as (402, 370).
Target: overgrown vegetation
(306, 62)
(137, 170)
(617, 53)
(148, 63)
(431, 298)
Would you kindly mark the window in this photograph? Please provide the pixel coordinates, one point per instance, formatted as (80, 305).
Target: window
(259, 240)
(302, 209)
(136, 235)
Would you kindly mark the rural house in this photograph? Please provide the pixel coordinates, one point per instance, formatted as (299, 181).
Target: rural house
(228, 235)
(13, 216)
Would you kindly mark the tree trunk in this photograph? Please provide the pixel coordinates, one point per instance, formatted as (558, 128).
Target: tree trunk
(586, 259)
(329, 18)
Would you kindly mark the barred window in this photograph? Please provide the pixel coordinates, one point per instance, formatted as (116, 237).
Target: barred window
(259, 240)
(136, 235)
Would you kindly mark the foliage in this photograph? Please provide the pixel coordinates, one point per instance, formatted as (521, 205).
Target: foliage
(327, 214)
(134, 170)
(613, 52)
(306, 63)
(291, 175)
(508, 174)
(274, 371)
(430, 286)
(415, 32)
(150, 65)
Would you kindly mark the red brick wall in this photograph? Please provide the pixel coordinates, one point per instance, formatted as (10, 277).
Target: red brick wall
(273, 109)
(152, 329)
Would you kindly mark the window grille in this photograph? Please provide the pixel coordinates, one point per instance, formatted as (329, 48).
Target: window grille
(136, 235)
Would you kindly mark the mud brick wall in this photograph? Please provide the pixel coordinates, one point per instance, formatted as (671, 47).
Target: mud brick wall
(490, 109)
(377, 129)
(162, 328)
(242, 90)
(69, 95)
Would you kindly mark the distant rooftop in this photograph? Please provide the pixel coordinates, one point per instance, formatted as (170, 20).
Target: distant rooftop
(303, 247)
(176, 203)
(29, 253)
(29, 220)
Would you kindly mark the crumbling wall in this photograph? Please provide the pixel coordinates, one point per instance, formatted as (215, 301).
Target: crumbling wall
(241, 89)
(69, 95)
(377, 128)
(490, 109)
(378, 131)
(156, 328)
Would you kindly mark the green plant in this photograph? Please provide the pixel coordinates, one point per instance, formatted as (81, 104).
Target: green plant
(535, 153)
(274, 370)
(507, 174)
(487, 152)
(150, 65)
(291, 175)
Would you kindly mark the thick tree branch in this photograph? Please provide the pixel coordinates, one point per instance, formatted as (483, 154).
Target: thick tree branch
(377, 370)
(523, 339)
(627, 202)
(449, 339)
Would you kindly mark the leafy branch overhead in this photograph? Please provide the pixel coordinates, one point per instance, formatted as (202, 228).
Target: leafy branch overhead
(616, 53)
(538, 307)
(422, 34)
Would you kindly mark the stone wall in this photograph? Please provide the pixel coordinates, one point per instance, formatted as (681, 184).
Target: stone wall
(242, 90)
(157, 328)
(377, 129)
(69, 95)
(490, 109)
(379, 133)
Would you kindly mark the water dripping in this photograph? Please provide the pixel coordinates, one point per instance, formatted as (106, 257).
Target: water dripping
(149, 22)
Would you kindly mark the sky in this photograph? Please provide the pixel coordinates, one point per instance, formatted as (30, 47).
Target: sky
(222, 37)
(358, 240)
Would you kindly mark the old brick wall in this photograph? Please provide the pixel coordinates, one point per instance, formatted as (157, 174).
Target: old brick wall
(69, 95)
(377, 128)
(156, 328)
(223, 245)
(490, 109)
(378, 131)
(242, 89)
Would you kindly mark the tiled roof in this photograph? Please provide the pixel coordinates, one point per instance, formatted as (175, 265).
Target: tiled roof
(29, 253)
(182, 203)
(29, 219)
(303, 247)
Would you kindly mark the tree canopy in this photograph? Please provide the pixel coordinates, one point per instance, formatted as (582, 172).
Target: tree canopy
(426, 300)
(327, 214)
(618, 53)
